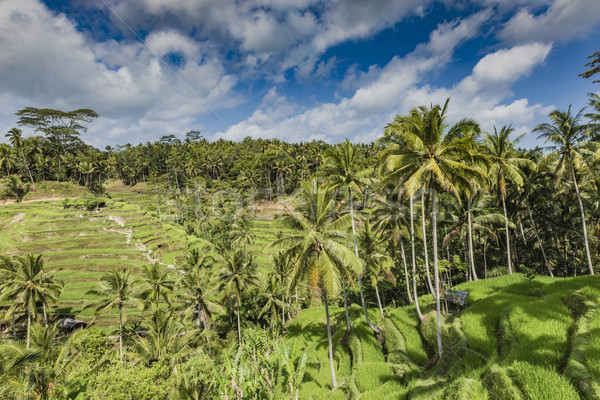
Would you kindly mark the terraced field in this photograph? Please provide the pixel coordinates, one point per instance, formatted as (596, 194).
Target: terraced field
(515, 340)
(80, 245)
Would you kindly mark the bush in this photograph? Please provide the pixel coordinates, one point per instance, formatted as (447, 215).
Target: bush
(132, 383)
(12, 187)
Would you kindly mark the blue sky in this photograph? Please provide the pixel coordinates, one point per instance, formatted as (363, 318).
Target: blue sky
(296, 70)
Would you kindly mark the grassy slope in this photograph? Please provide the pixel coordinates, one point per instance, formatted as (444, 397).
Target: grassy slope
(516, 339)
(81, 245)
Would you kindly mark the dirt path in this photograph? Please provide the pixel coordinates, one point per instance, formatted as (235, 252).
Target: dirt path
(17, 218)
(38, 199)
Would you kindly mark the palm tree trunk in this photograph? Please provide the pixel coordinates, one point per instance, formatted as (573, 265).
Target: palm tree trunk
(27, 167)
(121, 335)
(329, 342)
(436, 272)
(585, 238)
(14, 327)
(28, 327)
(546, 263)
(410, 299)
(429, 285)
(346, 305)
(471, 253)
(45, 315)
(414, 261)
(282, 309)
(362, 297)
(238, 322)
(502, 196)
(379, 302)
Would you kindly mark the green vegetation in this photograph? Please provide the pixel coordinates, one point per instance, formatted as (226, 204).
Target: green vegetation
(200, 284)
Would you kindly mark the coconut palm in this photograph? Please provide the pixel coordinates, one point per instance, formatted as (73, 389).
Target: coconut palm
(281, 266)
(236, 275)
(391, 219)
(196, 258)
(436, 158)
(342, 169)
(164, 339)
(315, 249)
(31, 284)
(270, 295)
(14, 135)
(116, 292)
(198, 293)
(570, 145)
(378, 263)
(467, 216)
(505, 165)
(156, 285)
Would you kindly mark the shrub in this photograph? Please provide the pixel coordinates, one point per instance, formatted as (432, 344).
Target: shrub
(132, 383)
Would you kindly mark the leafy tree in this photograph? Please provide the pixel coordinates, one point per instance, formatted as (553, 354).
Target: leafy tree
(342, 170)
(116, 292)
(61, 127)
(570, 145)
(31, 284)
(438, 158)
(156, 285)
(197, 293)
(315, 249)
(505, 166)
(17, 143)
(594, 65)
(236, 275)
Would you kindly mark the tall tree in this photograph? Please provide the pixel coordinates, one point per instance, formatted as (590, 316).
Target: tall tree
(435, 157)
(236, 275)
(198, 294)
(156, 285)
(342, 169)
(61, 127)
(31, 284)
(571, 145)
(314, 247)
(16, 140)
(505, 165)
(115, 291)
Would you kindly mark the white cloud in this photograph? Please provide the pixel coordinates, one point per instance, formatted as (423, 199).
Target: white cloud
(563, 21)
(50, 64)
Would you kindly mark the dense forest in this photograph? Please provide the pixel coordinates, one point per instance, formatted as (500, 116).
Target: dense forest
(397, 222)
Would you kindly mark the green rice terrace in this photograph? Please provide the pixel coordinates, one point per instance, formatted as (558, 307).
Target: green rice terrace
(517, 338)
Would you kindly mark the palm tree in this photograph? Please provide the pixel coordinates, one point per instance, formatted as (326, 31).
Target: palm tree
(437, 159)
(376, 262)
(237, 275)
(31, 284)
(505, 166)
(467, 216)
(315, 249)
(269, 294)
(116, 292)
(8, 267)
(165, 339)
(342, 170)
(197, 293)
(156, 285)
(281, 264)
(14, 135)
(570, 144)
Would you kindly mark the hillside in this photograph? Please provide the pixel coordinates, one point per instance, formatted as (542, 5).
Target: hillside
(516, 339)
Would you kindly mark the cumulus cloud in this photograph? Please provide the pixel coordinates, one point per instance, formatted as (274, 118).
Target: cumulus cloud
(371, 105)
(563, 20)
(50, 64)
(396, 88)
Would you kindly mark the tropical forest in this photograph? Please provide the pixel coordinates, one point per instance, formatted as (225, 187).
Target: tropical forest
(439, 261)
